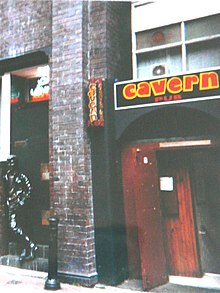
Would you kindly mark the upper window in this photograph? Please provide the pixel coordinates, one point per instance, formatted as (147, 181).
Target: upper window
(180, 47)
(158, 37)
(203, 28)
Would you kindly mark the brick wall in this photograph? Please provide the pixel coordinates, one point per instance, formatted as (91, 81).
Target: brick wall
(110, 58)
(85, 37)
(25, 26)
(71, 193)
(109, 42)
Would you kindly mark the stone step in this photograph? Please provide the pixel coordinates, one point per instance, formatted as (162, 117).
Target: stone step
(37, 264)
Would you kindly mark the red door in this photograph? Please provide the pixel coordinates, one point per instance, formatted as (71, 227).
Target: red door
(143, 215)
(181, 243)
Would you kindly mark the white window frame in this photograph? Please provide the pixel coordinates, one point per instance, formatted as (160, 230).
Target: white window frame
(148, 15)
(5, 108)
(5, 117)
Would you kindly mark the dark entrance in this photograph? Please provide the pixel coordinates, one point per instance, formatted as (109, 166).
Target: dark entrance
(29, 142)
(205, 174)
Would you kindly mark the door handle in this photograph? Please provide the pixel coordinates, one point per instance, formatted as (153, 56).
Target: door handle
(202, 230)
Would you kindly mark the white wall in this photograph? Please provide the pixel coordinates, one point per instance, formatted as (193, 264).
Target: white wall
(150, 14)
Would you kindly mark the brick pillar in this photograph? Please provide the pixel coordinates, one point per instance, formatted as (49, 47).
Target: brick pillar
(71, 192)
(110, 58)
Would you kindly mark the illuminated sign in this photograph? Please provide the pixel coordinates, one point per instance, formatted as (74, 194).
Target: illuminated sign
(95, 104)
(41, 90)
(167, 90)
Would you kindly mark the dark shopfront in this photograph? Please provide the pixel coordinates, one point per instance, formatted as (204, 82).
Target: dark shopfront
(170, 161)
(29, 97)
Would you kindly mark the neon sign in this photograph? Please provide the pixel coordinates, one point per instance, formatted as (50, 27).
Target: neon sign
(41, 91)
(95, 105)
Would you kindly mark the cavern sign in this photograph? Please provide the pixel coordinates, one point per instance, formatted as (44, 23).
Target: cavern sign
(167, 90)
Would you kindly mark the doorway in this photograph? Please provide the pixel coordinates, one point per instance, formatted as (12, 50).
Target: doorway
(205, 169)
(171, 196)
(29, 142)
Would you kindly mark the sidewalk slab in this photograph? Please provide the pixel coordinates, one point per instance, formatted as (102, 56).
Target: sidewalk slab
(27, 281)
(21, 280)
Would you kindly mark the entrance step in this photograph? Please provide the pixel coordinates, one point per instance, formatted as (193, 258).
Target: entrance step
(40, 263)
(208, 281)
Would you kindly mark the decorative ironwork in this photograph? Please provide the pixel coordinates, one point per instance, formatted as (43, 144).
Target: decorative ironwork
(18, 189)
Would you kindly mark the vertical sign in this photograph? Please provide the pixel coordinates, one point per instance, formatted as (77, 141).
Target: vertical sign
(95, 104)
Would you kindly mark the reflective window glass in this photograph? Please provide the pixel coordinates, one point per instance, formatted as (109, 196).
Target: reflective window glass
(203, 55)
(203, 27)
(170, 59)
(157, 37)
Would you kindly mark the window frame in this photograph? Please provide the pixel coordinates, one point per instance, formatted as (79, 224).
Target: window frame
(5, 109)
(183, 42)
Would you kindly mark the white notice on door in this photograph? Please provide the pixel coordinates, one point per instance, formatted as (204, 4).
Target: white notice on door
(166, 183)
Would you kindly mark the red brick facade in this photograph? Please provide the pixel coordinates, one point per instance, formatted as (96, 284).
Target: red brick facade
(84, 40)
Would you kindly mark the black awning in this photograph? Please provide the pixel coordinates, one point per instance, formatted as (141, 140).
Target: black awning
(24, 61)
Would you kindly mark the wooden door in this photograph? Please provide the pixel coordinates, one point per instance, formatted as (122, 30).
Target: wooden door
(181, 243)
(143, 214)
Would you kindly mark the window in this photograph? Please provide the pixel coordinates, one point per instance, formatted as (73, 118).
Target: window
(189, 45)
(18, 88)
(203, 28)
(158, 37)
(30, 85)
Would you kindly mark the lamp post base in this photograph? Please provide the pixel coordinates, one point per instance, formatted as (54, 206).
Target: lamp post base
(52, 284)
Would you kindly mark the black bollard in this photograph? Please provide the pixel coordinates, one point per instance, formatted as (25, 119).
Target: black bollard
(52, 282)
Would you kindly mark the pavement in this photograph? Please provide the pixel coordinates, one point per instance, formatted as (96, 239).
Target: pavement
(21, 280)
